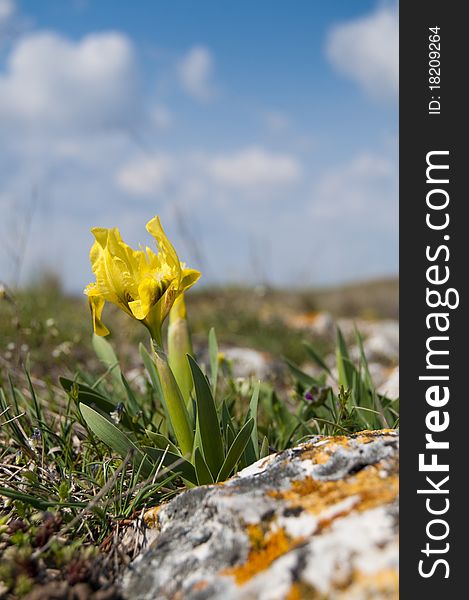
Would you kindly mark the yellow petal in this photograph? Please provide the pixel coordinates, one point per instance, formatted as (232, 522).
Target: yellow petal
(149, 292)
(115, 265)
(189, 277)
(143, 283)
(96, 306)
(165, 247)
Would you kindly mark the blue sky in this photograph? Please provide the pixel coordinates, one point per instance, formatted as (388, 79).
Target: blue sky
(263, 133)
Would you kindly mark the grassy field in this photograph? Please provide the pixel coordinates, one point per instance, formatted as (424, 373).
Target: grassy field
(53, 330)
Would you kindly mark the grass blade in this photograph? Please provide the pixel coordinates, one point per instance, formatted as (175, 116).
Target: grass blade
(345, 367)
(316, 357)
(302, 377)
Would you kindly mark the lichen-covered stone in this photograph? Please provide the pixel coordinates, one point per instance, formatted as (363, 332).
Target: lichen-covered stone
(317, 521)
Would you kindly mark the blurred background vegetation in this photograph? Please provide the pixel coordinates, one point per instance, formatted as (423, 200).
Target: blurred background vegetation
(51, 330)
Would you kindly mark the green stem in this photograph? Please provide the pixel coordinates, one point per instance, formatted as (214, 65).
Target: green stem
(179, 346)
(175, 404)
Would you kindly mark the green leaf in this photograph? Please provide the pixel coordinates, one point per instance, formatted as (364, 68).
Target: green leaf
(237, 448)
(83, 393)
(227, 425)
(106, 355)
(203, 472)
(86, 394)
(108, 433)
(252, 448)
(229, 435)
(162, 442)
(316, 357)
(174, 462)
(155, 382)
(264, 448)
(178, 414)
(151, 369)
(12, 424)
(213, 354)
(302, 377)
(40, 504)
(286, 423)
(37, 408)
(345, 367)
(133, 404)
(207, 417)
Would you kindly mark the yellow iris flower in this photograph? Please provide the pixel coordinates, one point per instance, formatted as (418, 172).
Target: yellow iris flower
(143, 283)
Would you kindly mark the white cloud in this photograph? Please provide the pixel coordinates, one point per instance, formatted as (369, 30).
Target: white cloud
(195, 72)
(193, 176)
(8, 20)
(361, 192)
(7, 10)
(53, 83)
(252, 167)
(366, 51)
(76, 125)
(145, 177)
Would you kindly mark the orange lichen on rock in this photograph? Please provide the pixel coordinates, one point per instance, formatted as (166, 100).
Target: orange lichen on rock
(200, 585)
(294, 593)
(303, 320)
(150, 517)
(300, 590)
(369, 487)
(320, 452)
(264, 550)
(382, 584)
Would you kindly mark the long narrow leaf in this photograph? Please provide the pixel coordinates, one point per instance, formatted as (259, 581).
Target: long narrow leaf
(227, 425)
(133, 404)
(17, 431)
(155, 382)
(81, 393)
(39, 503)
(251, 452)
(105, 353)
(172, 461)
(203, 472)
(213, 354)
(115, 438)
(345, 367)
(162, 442)
(237, 448)
(88, 395)
(207, 417)
(264, 448)
(316, 357)
(302, 377)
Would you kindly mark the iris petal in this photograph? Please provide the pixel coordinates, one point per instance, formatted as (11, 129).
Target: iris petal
(96, 306)
(141, 282)
(154, 227)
